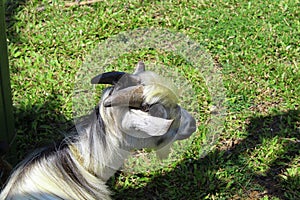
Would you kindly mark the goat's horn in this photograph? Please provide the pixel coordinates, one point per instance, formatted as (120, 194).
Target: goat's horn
(107, 78)
(130, 96)
(119, 79)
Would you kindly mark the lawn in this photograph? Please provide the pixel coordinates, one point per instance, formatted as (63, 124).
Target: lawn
(255, 47)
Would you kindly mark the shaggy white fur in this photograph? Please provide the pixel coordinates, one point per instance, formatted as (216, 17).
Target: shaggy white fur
(80, 166)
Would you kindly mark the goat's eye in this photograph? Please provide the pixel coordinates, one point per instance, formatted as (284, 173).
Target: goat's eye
(145, 107)
(158, 110)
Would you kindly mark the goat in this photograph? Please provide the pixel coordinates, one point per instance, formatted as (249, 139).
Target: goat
(137, 111)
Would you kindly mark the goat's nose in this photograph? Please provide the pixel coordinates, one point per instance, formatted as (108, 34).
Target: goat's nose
(187, 125)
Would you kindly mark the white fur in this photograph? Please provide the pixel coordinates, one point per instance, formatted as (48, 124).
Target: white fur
(81, 165)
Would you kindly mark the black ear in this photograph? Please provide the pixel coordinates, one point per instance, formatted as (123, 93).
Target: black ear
(107, 78)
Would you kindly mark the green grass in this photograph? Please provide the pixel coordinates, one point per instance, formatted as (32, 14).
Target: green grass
(255, 45)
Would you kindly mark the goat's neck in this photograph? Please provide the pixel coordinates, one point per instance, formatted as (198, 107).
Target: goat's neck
(98, 151)
(102, 167)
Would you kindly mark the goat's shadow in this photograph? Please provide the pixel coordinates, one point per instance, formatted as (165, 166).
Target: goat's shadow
(184, 183)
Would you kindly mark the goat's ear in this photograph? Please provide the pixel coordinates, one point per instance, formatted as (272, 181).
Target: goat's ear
(140, 67)
(143, 125)
(107, 78)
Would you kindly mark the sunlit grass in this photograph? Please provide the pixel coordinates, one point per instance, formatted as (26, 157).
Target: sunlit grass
(255, 45)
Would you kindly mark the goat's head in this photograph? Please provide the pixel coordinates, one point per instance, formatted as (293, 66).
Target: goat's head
(144, 107)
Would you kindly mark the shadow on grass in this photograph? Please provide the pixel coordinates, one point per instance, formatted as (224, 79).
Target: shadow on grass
(227, 173)
(286, 128)
(12, 7)
(37, 125)
(40, 124)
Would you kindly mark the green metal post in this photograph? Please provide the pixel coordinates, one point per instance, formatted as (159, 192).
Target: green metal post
(7, 132)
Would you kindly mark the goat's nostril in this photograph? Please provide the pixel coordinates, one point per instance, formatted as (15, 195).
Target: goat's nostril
(192, 125)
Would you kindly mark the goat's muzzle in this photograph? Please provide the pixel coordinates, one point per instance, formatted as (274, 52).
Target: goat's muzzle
(187, 125)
